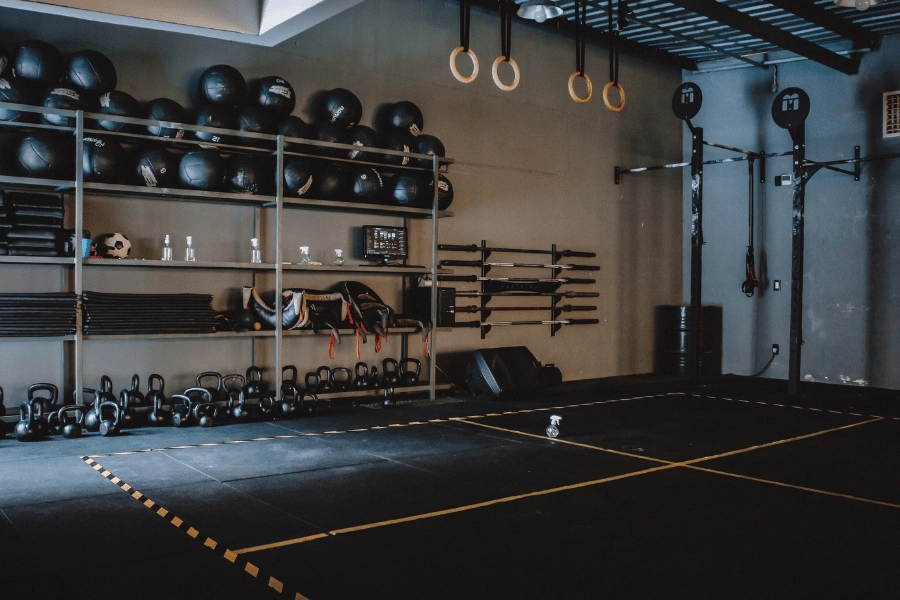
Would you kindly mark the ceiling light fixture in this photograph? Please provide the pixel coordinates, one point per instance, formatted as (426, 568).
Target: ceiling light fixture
(859, 4)
(539, 10)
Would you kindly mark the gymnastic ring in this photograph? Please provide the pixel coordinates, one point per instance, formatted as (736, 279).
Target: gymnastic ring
(456, 73)
(587, 81)
(500, 84)
(606, 101)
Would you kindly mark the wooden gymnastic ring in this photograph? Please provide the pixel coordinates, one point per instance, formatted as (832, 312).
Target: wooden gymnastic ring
(456, 73)
(500, 84)
(606, 96)
(587, 81)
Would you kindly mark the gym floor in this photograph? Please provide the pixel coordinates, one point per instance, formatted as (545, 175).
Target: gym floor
(653, 489)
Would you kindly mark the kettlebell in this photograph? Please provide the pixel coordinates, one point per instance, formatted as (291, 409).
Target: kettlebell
(106, 393)
(92, 416)
(70, 425)
(42, 404)
(408, 376)
(289, 401)
(25, 431)
(202, 407)
(289, 376)
(324, 374)
(340, 379)
(156, 397)
(180, 412)
(216, 393)
(137, 398)
(126, 408)
(374, 381)
(308, 401)
(2, 406)
(311, 382)
(253, 385)
(390, 372)
(110, 418)
(361, 380)
(233, 384)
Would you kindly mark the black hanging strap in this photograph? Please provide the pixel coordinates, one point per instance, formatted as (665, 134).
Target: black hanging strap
(751, 282)
(505, 29)
(464, 17)
(613, 46)
(580, 18)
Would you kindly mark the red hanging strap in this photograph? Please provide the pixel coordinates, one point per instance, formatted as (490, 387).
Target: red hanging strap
(331, 352)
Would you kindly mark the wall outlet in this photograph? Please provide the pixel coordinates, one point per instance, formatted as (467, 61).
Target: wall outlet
(776, 285)
(774, 348)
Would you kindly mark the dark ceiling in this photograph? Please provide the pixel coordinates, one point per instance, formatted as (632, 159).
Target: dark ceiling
(693, 33)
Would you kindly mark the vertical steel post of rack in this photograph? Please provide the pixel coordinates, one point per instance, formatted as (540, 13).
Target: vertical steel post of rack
(694, 336)
(279, 207)
(798, 135)
(79, 232)
(432, 359)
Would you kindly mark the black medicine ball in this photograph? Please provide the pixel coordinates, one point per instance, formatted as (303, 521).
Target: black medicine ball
(17, 91)
(298, 176)
(103, 160)
(445, 193)
(43, 155)
(156, 167)
(40, 62)
(4, 59)
(120, 104)
(242, 174)
(274, 94)
(167, 111)
(405, 117)
(329, 183)
(366, 185)
(295, 127)
(202, 170)
(212, 115)
(430, 145)
(398, 143)
(92, 72)
(408, 190)
(65, 99)
(365, 137)
(222, 85)
(342, 108)
(327, 131)
(254, 119)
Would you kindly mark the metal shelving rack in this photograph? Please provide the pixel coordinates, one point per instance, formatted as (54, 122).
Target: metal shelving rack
(269, 145)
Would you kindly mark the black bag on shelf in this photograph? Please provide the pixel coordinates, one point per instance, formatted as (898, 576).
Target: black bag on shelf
(366, 307)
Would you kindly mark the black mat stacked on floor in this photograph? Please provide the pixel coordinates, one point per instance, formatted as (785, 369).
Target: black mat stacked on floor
(31, 224)
(117, 314)
(38, 314)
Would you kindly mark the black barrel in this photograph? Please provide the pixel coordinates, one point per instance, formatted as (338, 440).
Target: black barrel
(672, 354)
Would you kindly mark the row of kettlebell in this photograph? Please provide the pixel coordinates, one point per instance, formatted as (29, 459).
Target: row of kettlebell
(404, 373)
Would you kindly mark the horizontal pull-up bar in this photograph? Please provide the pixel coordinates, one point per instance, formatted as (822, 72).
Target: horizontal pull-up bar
(753, 156)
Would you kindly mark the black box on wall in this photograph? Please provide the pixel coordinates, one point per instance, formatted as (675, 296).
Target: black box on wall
(419, 303)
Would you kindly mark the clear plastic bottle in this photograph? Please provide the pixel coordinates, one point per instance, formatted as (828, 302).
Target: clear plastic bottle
(304, 256)
(553, 428)
(167, 249)
(189, 251)
(338, 257)
(255, 253)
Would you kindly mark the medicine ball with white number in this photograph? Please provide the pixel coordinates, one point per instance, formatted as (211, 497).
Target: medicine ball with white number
(63, 98)
(405, 117)
(38, 61)
(408, 190)
(17, 91)
(92, 72)
(120, 104)
(45, 156)
(222, 85)
(342, 107)
(366, 185)
(254, 119)
(298, 176)
(156, 167)
(103, 160)
(327, 131)
(398, 143)
(213, 115)
(430, 145)
(274, 94)
(167, 111)
(445, 193)
(202, 170)
(365, 137)
(242, 174)
(329, 183)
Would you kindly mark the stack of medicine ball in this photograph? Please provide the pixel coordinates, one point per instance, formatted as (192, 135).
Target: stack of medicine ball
(36, 73)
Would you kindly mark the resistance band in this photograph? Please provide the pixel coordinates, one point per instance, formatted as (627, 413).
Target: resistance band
(614, 58)
(752, 281)
(580, 19)
(464, 18)
(506, 13)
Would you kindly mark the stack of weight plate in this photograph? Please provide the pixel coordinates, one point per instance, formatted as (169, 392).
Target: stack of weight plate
(31, 224)
(37, 314)
(136, 314)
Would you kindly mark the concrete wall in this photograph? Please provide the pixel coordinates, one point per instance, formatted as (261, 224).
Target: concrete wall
(533, 168)
(851, 324)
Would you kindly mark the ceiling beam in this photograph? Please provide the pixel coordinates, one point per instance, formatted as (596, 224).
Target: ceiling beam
(735, 19)
(815, 14)
(600, 38)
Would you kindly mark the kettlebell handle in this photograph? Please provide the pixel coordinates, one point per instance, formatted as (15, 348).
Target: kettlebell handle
(204, 375)
(43, 387)
(106, 384)
(158, 378)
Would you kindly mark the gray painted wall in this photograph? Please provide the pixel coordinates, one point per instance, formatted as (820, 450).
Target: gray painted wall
(851, 323)
(534, 168)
